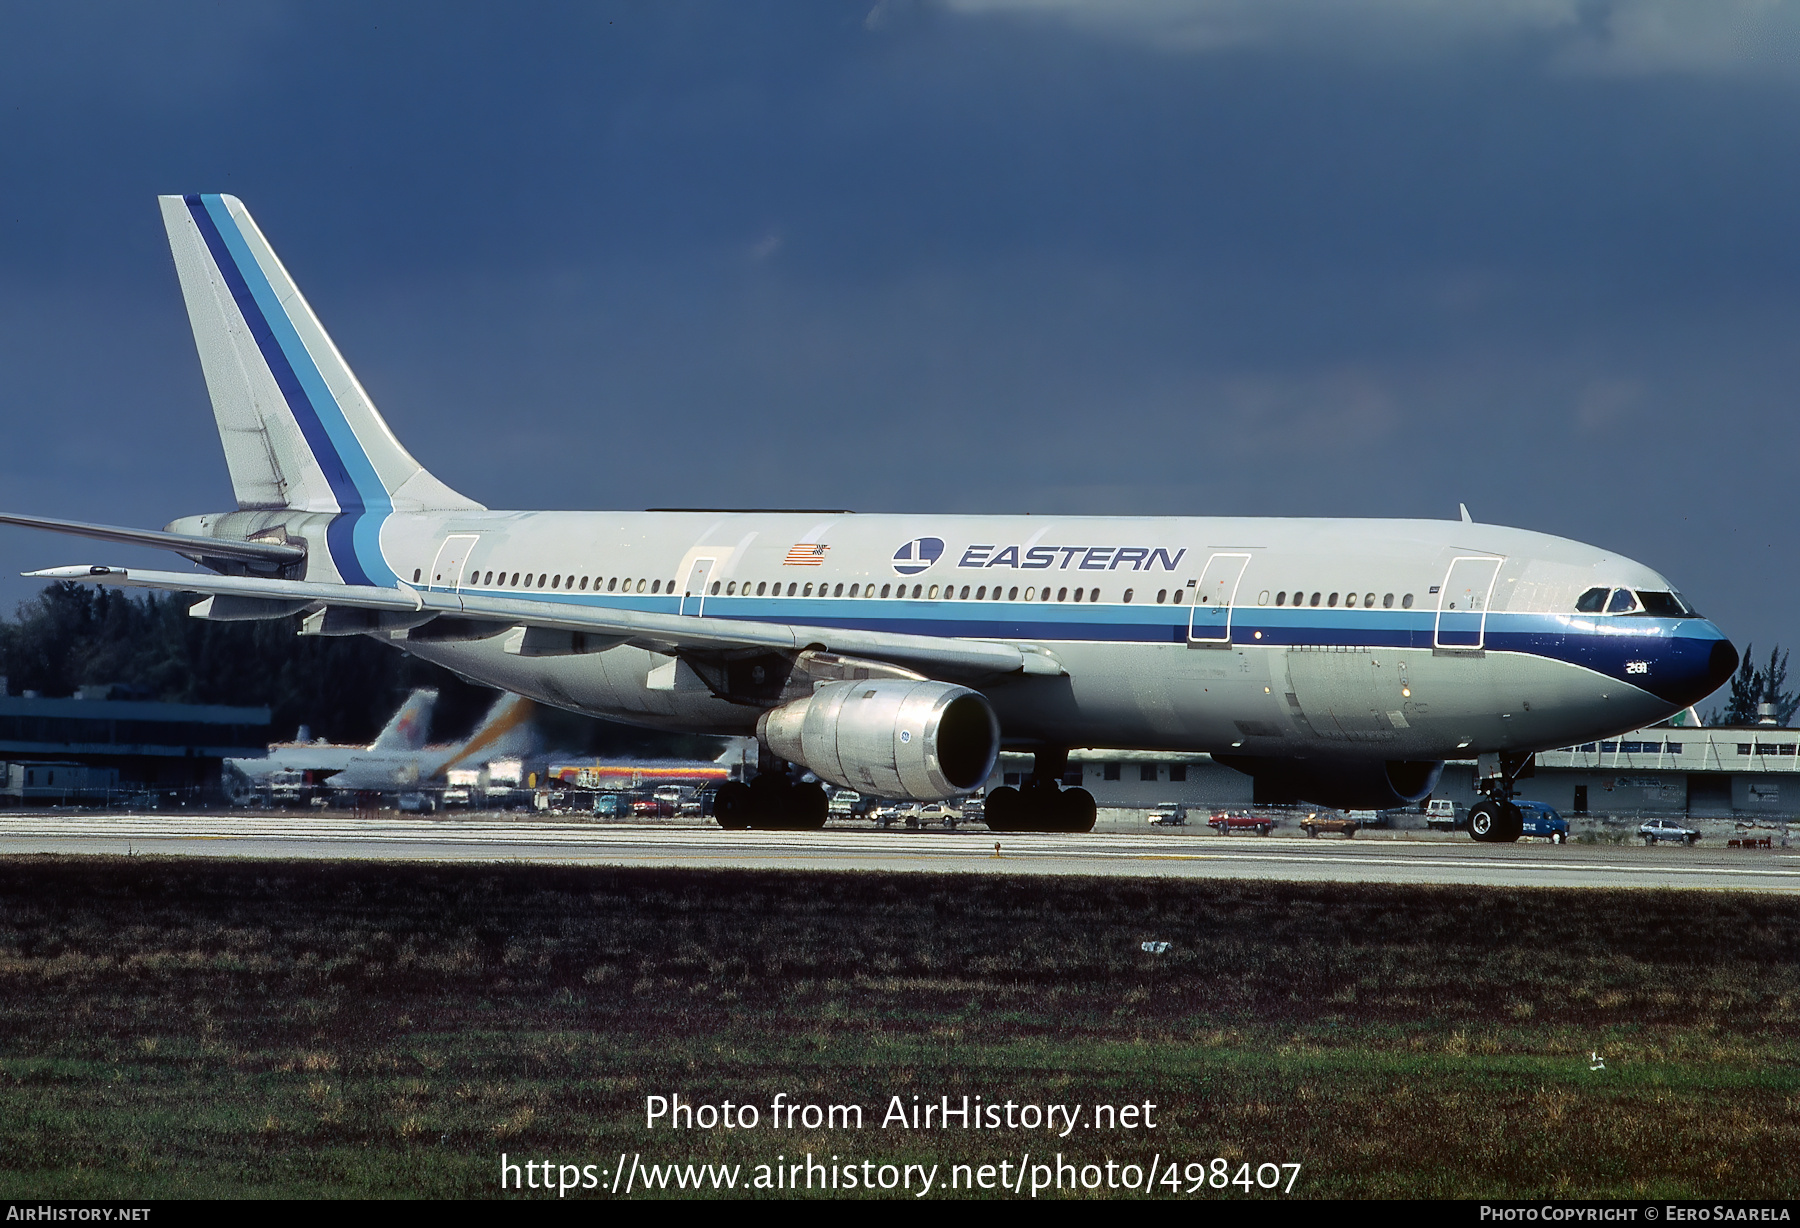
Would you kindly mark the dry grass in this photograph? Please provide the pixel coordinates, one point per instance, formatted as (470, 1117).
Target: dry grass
(208, 1028)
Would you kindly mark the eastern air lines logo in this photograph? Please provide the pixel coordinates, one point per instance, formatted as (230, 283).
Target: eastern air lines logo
(916, 555)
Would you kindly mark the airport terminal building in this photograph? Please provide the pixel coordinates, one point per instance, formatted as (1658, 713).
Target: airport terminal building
(90, 751)
(1672, 770)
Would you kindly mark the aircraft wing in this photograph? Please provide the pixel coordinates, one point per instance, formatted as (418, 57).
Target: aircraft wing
(671, 633)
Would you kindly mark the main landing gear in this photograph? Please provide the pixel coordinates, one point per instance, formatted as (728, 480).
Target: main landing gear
(773, 801)
(1041, 805)
(1494, 819)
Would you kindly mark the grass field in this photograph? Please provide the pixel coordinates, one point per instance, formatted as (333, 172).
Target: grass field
(175, 1028)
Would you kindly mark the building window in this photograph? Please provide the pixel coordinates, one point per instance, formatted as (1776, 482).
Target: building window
(1109, 771)
(1147, 771)
(1177, 772)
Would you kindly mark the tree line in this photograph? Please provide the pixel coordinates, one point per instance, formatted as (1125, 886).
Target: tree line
(344, 687)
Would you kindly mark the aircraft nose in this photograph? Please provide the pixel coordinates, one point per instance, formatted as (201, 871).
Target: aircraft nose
(1722, 664)
(1690, 669)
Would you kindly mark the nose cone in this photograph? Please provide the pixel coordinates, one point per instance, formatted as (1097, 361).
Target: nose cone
(1690, 667)
(1721, 665)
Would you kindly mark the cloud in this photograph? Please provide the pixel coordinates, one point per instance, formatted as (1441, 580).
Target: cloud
(1597, 37)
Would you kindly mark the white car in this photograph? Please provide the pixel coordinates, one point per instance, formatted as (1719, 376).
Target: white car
(1656, 830)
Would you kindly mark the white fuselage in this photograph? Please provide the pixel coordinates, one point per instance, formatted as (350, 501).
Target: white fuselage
(1411, 639)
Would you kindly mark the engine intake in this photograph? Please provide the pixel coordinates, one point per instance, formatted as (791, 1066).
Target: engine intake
(889, 737)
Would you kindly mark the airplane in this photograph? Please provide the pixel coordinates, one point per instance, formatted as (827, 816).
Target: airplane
(403, 735)
(1340, 661)
(399, 758)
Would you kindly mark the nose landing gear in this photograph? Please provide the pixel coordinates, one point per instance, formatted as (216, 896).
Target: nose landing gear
(1494, 819)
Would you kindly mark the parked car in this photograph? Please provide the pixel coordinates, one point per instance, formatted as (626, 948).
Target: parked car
(1169, 814)
(606, 804)
(1543, 821)
(1441, 814)
(1368, 818)
(1227, 821)
(1327, 820)
(1656, 830)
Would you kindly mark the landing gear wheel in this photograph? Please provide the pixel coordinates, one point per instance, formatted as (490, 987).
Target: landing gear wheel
(1004, 809)
(769, 801)
(1486, 821)
(1076, 810)
(1515, 823)
(734, 805)
(807, 807)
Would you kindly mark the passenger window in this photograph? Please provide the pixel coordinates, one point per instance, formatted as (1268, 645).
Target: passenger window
(1622, 602)
(415, 575)
(933, 593)
(1179, 595)
(884, 590)
(1281, 597)
(1012, 594)
(1062, 594)
(981, 593)
(1368, 601)
(1162, 595)
(1315, 598)
(807, 591)
(715, 588)
(838, 591)
(965, 592)
(1387, 601)
(611, 585)
(1127, 596)
(762, 588)
(1406, 602)
(1591, 602)
(917, 589)
(1350, 599)
(1332, 600)
(1262, 599)
(656, 586)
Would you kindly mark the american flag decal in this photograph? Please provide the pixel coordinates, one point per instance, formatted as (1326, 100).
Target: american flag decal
(805, 554)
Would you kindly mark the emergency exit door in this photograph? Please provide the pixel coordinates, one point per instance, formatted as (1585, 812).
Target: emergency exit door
(693, 593)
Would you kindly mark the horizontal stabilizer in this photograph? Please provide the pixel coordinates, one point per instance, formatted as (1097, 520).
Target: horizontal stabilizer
(181, 543)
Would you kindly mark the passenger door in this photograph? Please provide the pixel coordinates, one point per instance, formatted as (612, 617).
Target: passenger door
(1209, 618)
(1463, 602)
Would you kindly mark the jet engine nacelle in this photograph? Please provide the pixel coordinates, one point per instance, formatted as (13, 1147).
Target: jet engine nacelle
(889, 737)
(1348, 784)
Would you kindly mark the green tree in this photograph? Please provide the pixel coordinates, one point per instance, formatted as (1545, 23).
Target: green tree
(1753, 686)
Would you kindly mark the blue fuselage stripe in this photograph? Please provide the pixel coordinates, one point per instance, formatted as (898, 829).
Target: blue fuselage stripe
(1609, 646)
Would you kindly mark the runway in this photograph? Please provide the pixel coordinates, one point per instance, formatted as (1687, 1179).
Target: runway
(1167, 854)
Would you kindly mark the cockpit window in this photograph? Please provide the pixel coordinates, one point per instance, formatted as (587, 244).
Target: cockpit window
(1591, 602)
(1622, 602)
(1666, 605)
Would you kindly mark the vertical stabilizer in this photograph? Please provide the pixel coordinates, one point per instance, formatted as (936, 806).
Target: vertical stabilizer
(409, 726)
(299, 431)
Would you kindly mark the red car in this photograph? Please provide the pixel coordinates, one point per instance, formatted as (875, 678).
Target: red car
(1227, 821)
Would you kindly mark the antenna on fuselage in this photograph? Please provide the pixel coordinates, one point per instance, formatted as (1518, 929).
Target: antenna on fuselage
(1464, 509)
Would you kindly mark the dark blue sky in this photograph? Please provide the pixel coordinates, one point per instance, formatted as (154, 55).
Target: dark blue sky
(1294, 258)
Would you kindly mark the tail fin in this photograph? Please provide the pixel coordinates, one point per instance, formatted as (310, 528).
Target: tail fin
(507, 729)
(410, 725)
(299, 431)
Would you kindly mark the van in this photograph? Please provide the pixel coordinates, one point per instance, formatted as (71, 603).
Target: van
(1441, 815)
